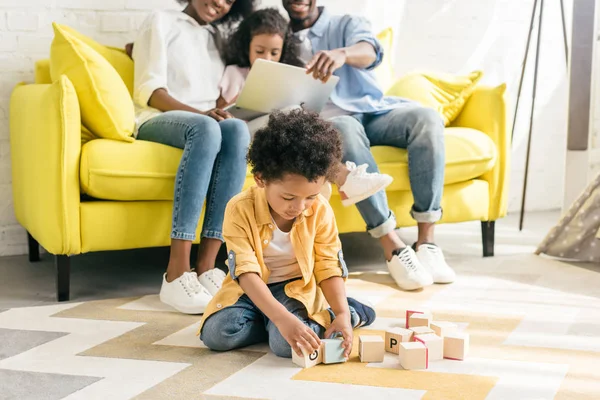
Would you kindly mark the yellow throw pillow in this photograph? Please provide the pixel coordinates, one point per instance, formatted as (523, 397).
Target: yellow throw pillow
(106, 106)
(445, 93)
(118, 58)
(385, 71)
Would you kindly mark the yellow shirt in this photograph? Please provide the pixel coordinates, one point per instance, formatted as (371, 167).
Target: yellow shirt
(248, 228)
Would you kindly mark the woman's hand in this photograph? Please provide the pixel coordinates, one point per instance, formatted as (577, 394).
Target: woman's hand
(218, 114)
(298, 335)
(342, 324)
(325, 63)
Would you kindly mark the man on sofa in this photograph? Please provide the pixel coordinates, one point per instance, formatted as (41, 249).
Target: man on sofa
(365, 117)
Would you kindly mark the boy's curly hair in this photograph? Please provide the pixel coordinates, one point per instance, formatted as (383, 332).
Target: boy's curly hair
(239, 10)
(265, 21)
(295, 142)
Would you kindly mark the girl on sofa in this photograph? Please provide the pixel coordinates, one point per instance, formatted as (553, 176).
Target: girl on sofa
(178, 67)
(265, 34)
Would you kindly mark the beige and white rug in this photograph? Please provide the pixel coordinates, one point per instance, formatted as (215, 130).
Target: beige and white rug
(534, 326)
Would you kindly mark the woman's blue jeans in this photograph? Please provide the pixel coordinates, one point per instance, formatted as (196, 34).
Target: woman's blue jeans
(212, 167)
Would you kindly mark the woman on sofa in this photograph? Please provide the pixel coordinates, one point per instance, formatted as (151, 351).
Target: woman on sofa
(177, 72)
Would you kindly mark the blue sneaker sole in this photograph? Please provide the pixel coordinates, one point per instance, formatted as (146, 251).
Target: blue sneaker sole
(366, 313)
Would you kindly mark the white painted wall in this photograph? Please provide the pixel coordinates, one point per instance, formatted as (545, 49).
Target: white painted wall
(449, 35)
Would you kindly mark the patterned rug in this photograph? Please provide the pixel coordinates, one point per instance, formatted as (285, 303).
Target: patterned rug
(534, 326)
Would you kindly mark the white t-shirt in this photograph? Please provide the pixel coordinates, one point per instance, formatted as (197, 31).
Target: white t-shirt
(280, 258)
(330, 110)
(173, 51)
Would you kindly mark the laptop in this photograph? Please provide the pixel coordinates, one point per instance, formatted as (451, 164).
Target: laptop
(273, 86)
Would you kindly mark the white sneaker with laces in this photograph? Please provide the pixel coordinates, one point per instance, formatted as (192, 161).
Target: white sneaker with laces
(432, 258)
(212, 280)
(407, 271)
(185, 294)
(361, 185)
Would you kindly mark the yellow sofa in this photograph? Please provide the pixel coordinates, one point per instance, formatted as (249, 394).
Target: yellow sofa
(74, 193)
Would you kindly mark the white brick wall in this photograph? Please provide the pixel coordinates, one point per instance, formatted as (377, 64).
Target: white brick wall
(454, 36)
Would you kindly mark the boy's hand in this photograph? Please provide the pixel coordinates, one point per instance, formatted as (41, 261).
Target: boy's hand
(325, 63)
(298, 335)
(342, 324)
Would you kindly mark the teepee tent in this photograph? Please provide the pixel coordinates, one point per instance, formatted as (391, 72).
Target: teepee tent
(577, 235)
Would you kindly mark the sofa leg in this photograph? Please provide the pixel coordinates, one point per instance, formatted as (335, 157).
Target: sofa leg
(63, 277)
(34, 248)
(487, 237)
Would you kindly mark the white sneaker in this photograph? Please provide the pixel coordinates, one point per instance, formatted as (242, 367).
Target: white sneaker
(185, 294)
(361, 185)
(212, 280)
(432, 258)
(408, 272)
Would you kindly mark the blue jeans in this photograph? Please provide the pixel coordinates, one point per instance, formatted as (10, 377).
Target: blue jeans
(212, 167)
(243, 324)
(418, 129)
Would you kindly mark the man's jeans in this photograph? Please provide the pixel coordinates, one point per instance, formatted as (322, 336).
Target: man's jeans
(243, 324)
(419, 130)
(212, 167)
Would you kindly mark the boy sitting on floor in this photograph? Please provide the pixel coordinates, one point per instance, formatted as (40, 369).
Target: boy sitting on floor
(285, 259)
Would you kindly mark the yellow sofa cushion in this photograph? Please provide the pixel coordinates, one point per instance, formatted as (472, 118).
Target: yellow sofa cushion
(113, 170)
(116, 57)
(385, 71)
(445, 93)
(469, 154)
(106, 105)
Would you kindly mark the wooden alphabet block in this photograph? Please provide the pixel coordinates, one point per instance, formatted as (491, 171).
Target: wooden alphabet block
(370, 348)
(456, 345)
(442, 328)
(394, 337)
(308, 359)
(409, 313)
(413, 355)
(333, 352)
(434, 344)
(421, 330)
(416, 320)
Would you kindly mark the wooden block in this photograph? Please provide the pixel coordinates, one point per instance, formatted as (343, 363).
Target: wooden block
(442, 328)
(370, 348)
(421, 330)
(308, 359)
(416, 320)
(413, 355)
(456, 345)
(333, 352)
(394, 337)
(434, 344)
(409, 313)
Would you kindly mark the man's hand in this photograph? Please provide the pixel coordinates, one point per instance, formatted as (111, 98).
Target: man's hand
(342, 324)
(218, 114)
(298, 335)
(325, 63)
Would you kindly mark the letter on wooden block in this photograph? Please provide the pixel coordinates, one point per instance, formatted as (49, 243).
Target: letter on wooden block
(416, 320)
(456, 345)
(421, 330)
(370, 348)
(333, 352)
(442, 328)
(394, 337)
(434, 344)
(409, 313)
(308, 359)
(413, 355)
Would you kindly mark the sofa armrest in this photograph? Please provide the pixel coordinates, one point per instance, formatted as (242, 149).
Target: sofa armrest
(45, 145)
(486, 111)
